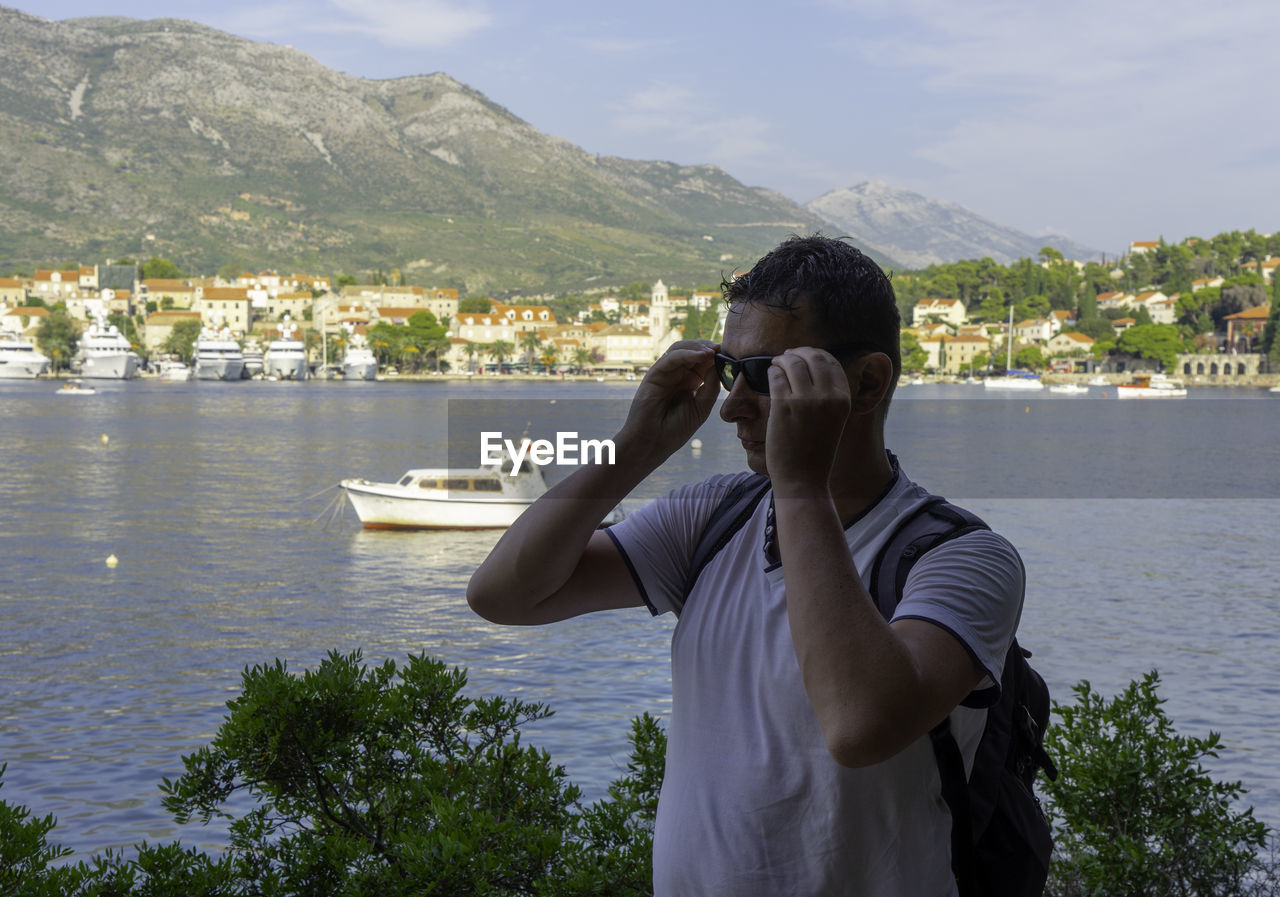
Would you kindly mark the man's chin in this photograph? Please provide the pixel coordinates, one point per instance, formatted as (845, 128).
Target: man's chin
(755, 461)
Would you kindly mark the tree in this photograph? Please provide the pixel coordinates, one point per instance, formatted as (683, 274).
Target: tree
(475, 305)
(230, 272)
(914, 358)
(531, 342)
(550, 355)
(181, 340)
(471, 350)
(1157, 341)
(1271, 333)
(1029, 358)
(581, 357)
(499, 350)
(57, 337)
(1134, 810)
(160, 269)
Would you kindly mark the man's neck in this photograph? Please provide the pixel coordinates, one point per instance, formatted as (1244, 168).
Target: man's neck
(859, 480)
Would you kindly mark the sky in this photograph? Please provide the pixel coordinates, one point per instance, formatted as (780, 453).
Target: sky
(1106, 121)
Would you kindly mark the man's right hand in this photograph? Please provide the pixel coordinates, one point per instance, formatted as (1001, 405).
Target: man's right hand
(673, 401)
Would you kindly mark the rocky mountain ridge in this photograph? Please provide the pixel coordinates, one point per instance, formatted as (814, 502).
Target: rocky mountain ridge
(919, 231)
(120, 137)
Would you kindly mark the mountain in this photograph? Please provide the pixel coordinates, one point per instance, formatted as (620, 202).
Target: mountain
(121, 137)
(919, 231)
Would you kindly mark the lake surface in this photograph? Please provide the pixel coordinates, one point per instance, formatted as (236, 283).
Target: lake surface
(1149, 532)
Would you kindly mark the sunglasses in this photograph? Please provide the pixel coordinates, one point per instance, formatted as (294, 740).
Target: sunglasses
(755, 368)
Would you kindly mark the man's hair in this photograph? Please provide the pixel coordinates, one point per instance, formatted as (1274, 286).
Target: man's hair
(852, 299)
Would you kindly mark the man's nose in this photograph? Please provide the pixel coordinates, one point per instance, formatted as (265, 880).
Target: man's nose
(742, 403)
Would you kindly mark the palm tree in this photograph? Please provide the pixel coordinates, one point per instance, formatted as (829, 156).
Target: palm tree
(471, 350)
(499, 350)
(550, 355)
(531, 342)
(438, 347)
(581, 356)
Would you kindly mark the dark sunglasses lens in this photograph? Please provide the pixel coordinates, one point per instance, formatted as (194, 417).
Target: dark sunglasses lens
(725, 373)
(756, 370)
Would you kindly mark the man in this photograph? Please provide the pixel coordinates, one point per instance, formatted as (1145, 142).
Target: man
(798, 757)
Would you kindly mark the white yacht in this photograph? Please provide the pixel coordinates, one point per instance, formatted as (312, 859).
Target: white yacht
(253, 360)
(286, 357)
(218, 356)
(105, 353)
(359, 362)
(19, 359)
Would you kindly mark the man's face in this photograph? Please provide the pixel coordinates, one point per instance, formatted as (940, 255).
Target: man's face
(754, 329)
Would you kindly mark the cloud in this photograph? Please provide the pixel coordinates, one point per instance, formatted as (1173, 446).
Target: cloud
(1090, 103)
(407, 24)
(683, 119)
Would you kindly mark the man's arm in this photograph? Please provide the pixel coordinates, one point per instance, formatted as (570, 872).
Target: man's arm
(553, 563)
(875, 687)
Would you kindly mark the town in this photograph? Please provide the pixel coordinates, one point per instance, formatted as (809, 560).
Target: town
(72, 317)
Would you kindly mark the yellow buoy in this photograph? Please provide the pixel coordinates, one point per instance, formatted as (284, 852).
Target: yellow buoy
(1028, 409)
(112, 560)
(105, 439)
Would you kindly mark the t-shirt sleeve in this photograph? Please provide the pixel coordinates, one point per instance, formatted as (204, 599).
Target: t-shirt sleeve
(972, 587)
(657, 541)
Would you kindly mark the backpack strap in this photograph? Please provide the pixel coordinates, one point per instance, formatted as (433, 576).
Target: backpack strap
(731, 515)
(933, 523)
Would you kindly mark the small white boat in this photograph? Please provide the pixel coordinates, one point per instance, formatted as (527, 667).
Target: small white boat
(1275, 388)
(1098, 381)
(175, 371)
(437, 498)
(75, 388)
(1013, 380)
(1151, 386)
(1071, 389)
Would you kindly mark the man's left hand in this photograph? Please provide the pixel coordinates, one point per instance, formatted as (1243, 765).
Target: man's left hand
(809, 402)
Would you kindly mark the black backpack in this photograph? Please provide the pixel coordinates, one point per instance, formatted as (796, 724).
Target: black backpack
(1000, 839)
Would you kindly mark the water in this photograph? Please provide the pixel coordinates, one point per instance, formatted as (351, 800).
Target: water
(1148, 534)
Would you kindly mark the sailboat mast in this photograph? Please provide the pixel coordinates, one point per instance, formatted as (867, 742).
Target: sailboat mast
(1008, 364)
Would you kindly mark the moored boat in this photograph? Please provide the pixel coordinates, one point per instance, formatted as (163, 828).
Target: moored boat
(19, 359)
(489, 497)
(1071, 389)
(218, 356)
(358, 362)
(1151, 386)
(105, 353)
(286, 357)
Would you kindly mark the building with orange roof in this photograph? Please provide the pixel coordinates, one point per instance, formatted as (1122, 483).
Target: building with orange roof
(13, 291)
(1138, 247)
(1066, 343)
(23, 320)
(1245, 328)
(227, 306)
(957, 353)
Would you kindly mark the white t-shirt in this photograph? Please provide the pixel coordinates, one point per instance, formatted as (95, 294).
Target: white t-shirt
(752, 802)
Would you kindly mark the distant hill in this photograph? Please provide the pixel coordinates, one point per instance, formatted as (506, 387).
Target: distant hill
(226, 150)
(919, 231)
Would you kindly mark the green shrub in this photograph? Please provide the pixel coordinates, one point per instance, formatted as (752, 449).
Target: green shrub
(1134, 811)
(371, 781)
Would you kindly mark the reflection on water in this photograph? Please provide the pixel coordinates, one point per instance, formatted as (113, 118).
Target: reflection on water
(214, 498)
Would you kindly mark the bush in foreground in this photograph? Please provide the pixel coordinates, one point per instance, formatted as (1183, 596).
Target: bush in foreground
(378, 782)
(1134, 810)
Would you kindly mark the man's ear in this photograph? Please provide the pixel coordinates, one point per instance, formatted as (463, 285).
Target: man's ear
(871, 379)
